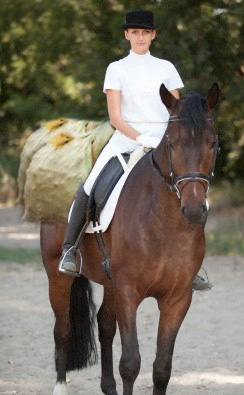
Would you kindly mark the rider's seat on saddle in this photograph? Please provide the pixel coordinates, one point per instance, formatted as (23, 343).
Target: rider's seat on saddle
(104, 186)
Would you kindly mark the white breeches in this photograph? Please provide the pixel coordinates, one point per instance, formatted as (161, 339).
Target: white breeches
(119, 144)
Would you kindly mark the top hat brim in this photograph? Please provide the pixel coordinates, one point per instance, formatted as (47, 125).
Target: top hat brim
(138, 26)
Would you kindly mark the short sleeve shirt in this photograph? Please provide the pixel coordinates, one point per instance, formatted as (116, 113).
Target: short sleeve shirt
(139, 77)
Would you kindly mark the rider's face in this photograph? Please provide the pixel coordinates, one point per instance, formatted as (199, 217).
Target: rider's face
(140, 39)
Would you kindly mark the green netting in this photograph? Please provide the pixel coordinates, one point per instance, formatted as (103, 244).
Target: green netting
(54, 161)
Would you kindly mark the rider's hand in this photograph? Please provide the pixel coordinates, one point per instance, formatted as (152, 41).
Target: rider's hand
(148, 141)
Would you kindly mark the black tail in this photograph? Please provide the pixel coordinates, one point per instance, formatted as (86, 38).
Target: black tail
(82, 351)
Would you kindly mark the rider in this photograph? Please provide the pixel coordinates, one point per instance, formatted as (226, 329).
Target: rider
(135, 110)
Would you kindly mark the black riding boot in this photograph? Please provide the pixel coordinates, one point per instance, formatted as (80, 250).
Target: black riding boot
(76, 227)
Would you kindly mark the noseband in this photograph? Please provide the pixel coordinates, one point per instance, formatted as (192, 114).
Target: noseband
(186, 177)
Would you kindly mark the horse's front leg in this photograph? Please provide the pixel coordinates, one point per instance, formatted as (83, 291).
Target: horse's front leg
(130, 361)
(106, 319)
(172, 313)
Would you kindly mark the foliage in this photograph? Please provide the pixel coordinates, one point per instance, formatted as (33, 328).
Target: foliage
(54, 54)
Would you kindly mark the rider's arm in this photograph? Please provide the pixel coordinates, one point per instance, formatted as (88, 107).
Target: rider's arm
(175, 93)
(114, 112)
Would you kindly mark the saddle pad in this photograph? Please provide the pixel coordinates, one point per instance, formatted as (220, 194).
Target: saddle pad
(109, 208)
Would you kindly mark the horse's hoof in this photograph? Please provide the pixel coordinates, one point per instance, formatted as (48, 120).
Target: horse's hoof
(60, 389)
(111, 391)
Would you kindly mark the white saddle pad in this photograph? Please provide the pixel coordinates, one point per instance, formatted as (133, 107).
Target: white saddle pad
(109, 209)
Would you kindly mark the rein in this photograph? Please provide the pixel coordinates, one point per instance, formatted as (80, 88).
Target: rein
(187, 177)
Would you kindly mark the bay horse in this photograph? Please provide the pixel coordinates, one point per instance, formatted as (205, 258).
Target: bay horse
(157, 245)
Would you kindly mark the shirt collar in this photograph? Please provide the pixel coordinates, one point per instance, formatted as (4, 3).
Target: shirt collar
(136, 56)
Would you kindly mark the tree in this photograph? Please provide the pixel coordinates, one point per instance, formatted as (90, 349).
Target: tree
(54, 54)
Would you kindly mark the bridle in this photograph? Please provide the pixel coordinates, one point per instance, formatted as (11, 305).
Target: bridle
(174, 186)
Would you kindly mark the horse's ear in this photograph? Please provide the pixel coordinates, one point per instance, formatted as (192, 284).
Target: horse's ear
(213, 96)
(167, 98)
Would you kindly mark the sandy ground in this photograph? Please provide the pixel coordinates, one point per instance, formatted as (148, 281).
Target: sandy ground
(209, 353)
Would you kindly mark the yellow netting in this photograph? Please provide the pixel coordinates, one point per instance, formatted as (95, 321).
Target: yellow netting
(55, 160)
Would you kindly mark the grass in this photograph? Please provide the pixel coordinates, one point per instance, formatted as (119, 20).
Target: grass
(227, 195)
(219, 243)
(21, 255)
(226, 237)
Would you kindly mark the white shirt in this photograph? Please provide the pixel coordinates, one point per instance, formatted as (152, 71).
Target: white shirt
(139, 77)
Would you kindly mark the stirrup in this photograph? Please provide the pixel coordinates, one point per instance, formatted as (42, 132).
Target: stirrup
(62, 269)
(201, 284)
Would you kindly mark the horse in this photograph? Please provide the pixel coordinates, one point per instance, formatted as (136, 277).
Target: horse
(157, 245)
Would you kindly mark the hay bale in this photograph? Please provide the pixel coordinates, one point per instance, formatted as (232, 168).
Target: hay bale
(55, 160)
(32, 145)
(46, 134)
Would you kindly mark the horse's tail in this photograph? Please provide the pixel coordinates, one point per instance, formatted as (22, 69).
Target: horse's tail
(82, 350)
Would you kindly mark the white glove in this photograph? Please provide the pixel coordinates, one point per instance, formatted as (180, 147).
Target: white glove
(148, 141)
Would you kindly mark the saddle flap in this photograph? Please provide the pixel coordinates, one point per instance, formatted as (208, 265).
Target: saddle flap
(104, 185)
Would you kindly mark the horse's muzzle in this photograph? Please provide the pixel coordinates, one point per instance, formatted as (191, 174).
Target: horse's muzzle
(195, 215)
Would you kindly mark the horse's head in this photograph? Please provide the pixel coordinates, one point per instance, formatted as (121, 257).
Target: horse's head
(191, 145)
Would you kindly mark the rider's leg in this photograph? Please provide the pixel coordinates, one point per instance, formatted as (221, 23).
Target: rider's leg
(77, 222)
(75, 230)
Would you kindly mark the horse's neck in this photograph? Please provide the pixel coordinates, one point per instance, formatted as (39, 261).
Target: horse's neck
(161, 159)
(149, 202)
(153, 183)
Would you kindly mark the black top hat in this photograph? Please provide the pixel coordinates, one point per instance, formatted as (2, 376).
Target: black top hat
(139, 19)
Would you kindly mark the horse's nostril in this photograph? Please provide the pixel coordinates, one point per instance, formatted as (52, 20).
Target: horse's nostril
(183, 210)
(195, 215)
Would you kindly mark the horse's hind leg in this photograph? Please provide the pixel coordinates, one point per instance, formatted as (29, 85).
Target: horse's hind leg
(59, 295)
(130, 361)
(171, 317)
(106, 319)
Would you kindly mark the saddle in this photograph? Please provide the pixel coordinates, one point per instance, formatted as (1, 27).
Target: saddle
(99, 195)
(104, 185)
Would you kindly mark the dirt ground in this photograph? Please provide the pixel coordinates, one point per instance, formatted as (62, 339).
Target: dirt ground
(209, 353)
